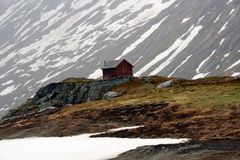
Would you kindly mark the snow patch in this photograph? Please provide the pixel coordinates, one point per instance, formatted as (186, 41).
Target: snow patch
(223, 27)
(61, 62)
(232, 11)
(176, 5)
(181, 45)
(157, 8)
(200, 75)
(178, 46)
(233, 65)
(39, 63)
(185, 20)
(226, 55)
(204, 61)
(96, 74)
(183, 62)
(4, 60)
(8, 82)
(138, 60)
(49, 76)
(142, 38)
(222, 40)
(200, 19)
(19, 71)
(27, 82)
(74, 148)
(236, 74)
(22, 96)
(5, 74)
(124, 128)
(25, 75)
(8, 90)
(230, 1)
(217, 18)
(23, 26)
(47, 15)
(79, 4)
(11, 11)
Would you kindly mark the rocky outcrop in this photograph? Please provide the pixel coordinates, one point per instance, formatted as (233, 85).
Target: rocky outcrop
(57, 95)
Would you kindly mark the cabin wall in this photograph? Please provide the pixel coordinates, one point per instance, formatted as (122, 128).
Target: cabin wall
(124, 69)
(109, 73)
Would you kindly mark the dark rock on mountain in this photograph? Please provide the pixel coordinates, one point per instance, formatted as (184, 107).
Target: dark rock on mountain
(60, 94)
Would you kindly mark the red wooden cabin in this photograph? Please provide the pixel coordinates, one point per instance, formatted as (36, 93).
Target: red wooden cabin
(117, 68)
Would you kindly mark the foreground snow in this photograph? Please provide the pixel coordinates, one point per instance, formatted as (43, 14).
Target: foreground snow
(73, 148)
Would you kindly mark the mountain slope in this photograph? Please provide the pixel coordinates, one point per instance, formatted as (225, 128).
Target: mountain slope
(45, 41)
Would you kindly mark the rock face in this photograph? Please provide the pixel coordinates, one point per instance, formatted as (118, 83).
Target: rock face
(57, 95)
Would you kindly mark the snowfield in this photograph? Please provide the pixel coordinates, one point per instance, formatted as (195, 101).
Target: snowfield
(80, 147)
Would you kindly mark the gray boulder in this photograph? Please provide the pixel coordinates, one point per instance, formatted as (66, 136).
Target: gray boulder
(110, 95)
(165, 84)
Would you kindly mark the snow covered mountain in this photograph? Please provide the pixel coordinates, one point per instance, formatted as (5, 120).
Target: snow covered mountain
(43, 41)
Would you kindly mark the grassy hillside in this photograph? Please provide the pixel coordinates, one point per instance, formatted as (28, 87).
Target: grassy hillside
(203, 109)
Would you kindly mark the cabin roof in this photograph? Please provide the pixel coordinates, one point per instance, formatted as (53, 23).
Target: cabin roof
(112, 64)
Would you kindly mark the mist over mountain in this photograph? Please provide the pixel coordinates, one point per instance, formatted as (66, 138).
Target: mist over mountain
(44, 41)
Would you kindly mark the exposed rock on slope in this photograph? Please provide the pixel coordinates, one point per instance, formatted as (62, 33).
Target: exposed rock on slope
(70, 91)
(59, 94)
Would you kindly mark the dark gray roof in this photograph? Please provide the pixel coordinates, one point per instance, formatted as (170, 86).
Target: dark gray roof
(111, 64)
